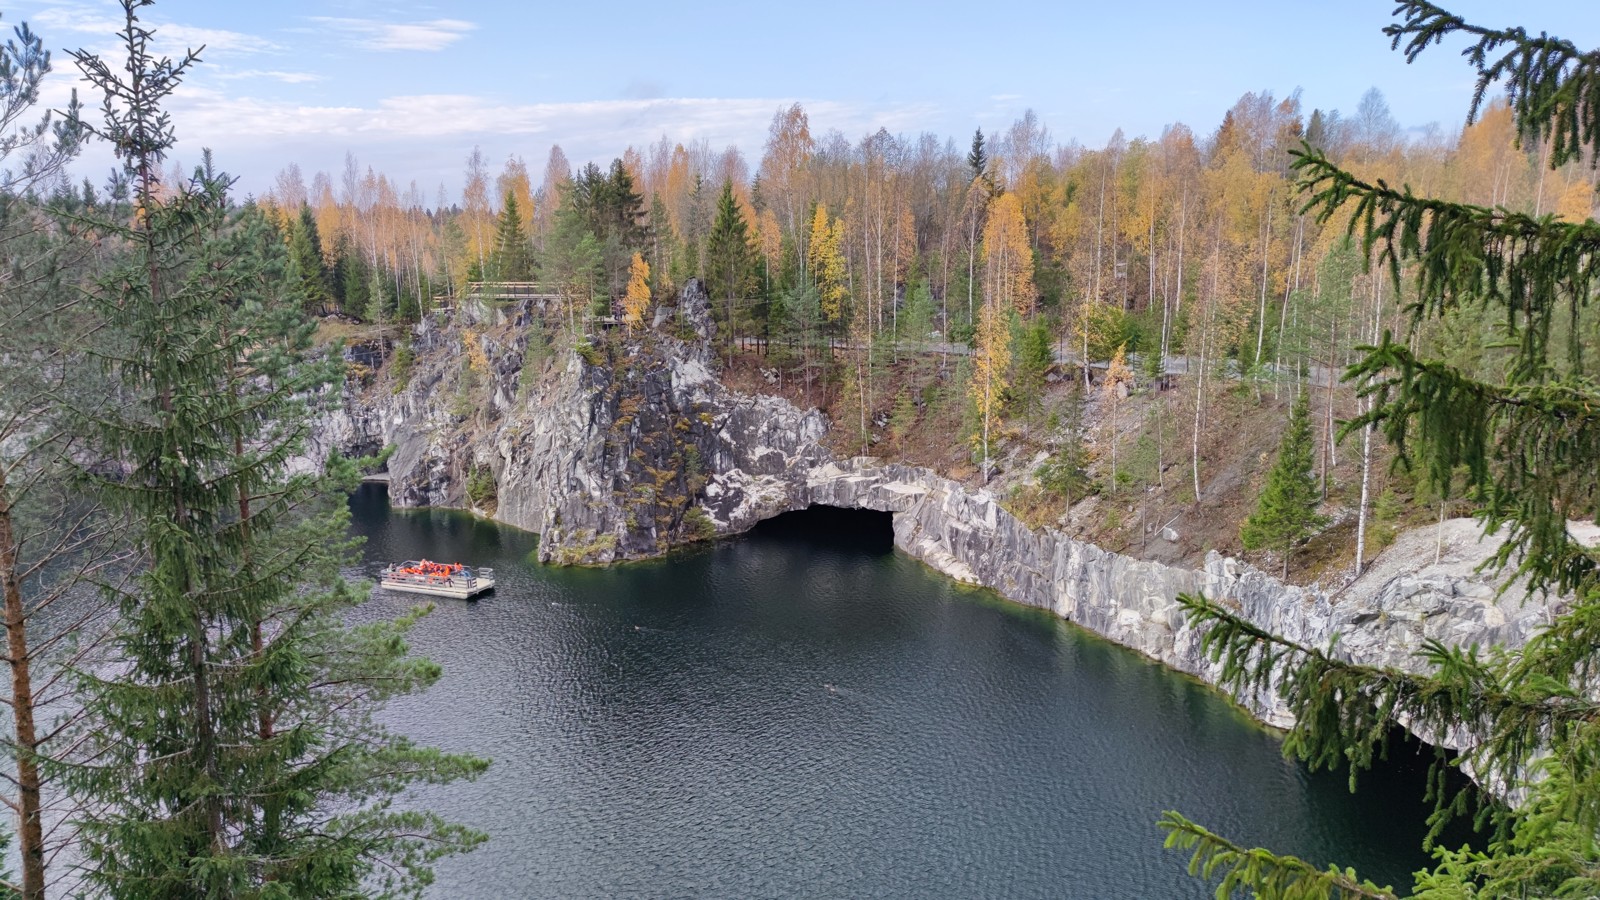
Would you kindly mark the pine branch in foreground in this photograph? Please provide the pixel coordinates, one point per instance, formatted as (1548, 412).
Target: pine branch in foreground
(1260, 873)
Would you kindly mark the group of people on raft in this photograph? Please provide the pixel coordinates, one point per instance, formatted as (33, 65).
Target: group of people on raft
(433, 569)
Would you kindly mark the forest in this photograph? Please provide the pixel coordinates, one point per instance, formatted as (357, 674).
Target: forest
(938, 297)
(1288, 335)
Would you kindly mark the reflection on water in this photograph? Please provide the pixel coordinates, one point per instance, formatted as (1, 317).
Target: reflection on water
(804, 712)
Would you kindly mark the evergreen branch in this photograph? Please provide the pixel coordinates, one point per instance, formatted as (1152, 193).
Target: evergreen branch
(1527, 449)
(1345, 712)
(1552, 86)
(1532, 267)
(1260, 872)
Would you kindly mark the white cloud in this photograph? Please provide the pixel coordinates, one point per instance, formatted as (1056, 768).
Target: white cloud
(171, 38)
(285, 77)
(377, 34)
(427, 135)
(213, 39)
(421, 116)
(75, 17)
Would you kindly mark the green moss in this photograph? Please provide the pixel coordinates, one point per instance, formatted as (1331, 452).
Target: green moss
(584, 552)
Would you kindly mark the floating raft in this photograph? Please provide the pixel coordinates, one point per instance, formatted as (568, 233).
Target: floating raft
(421, 576)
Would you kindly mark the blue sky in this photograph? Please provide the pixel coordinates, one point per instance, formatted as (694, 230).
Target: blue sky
(411, 87)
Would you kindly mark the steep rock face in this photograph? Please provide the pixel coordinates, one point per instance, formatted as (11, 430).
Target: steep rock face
(641, 449)
(970, 537)
(632, 446)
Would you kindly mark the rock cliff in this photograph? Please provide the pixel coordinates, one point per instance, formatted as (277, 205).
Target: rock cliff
(628, 445)
(1382, 619)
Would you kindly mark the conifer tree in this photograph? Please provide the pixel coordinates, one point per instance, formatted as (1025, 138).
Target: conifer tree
(978, 159)
(513, 252)
(1286, 512)
(730, 257)
(1529, 441)
(231, 749)
(305, 251)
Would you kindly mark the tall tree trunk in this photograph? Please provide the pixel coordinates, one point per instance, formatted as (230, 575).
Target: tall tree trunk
(1099, 228)
(1199, 406)
(1183, 212)
(30, 824)
(1200, 379)
(1361, 514)
(1366, 435)
(1283, 318)
(1325, 452)
(972, 265)
(1266, 251)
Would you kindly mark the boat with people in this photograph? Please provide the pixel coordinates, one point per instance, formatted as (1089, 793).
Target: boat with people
(422, 576)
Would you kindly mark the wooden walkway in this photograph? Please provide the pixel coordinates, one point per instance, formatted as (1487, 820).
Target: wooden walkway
(510, 290)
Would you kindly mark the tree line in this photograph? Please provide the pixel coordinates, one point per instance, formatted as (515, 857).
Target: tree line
(1184, 247)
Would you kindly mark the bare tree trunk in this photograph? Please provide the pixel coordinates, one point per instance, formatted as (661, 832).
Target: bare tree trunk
(1266, 252)
(1183, 213)
(1366, 436)
(1283, 319)
(1361, 514)
(1085, 360)
(1161, 404)
(1099, 228)
(1199, 405)
(30, 824)
(1200, 379)
(1113, 429)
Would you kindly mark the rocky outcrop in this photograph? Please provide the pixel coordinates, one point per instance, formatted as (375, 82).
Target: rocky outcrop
(619, 448)
(639, 448)
(628, 445)
(1382, 619)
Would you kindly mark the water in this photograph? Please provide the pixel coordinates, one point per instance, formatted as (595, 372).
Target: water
(804, 712)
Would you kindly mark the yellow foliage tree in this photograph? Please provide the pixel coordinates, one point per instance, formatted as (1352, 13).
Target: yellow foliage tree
(637, 299)
(990, 360)
(1007, 258)
(825, 259)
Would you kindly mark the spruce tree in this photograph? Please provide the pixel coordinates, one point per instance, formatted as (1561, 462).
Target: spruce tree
(730, 258)
(978, 157)
(305, 250)
(1286, 512)
(230, 750)
(513, 252)
(1529, 443)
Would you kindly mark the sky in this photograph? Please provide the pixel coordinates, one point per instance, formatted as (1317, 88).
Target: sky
(410, 88)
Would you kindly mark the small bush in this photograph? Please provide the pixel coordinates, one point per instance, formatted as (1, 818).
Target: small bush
(404, 359)
(590, 353)
(698, 526)
(481, 488)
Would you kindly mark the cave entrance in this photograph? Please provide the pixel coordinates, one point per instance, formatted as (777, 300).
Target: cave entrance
(833, 527)
(1401, 776)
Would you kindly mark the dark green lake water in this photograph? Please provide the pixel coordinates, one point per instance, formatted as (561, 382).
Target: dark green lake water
(804, 712)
